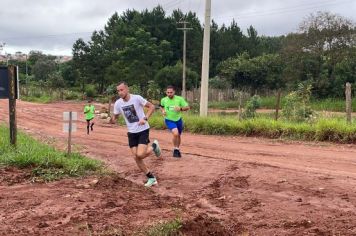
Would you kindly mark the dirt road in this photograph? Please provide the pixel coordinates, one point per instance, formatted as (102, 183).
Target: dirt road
(253, 186)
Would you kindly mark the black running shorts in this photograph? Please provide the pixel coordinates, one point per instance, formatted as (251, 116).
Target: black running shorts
(139, 138)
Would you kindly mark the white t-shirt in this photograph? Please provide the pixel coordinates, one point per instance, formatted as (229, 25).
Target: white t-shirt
(132, 112)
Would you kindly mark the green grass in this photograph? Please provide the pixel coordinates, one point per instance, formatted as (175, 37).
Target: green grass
(168, 228)
(332, 104)
(45, 162)
(328, 104)
(333, 129)
(46, 95)
(224, 105)
(41, 99)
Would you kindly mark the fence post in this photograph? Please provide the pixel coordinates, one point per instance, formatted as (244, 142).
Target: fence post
(348, 103)
(69, 150)
(240, 104)
(278, 103)
(12, 104)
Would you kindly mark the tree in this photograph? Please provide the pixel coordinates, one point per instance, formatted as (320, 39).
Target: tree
(68, 73)
(140, 59)
(43, 68)
(80, 62)
(313, 53)
(172, 75)
(262, 72)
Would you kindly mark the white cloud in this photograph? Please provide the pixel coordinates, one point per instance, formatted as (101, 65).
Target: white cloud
(48, 25)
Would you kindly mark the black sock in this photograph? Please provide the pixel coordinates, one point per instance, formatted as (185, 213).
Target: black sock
(91, 127)
(88, 129)
(150, 175)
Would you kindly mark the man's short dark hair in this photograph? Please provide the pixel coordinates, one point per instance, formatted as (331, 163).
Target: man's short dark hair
(171, 87)
(122, 82)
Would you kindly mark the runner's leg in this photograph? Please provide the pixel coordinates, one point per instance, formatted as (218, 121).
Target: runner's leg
(88, 123)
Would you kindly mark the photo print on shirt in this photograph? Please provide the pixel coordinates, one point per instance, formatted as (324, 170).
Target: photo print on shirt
(130, 113)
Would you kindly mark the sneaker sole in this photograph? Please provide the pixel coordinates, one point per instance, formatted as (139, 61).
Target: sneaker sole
(157, 153)
(155, 183)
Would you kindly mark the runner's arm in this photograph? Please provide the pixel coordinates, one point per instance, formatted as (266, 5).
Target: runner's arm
(151, 109)
(185, 108)
(114, 118)
(163, 111)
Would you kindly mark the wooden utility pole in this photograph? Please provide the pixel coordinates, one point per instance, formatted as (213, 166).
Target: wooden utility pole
(348, 103)
(12, 104)
(205, 63)
(185, 29)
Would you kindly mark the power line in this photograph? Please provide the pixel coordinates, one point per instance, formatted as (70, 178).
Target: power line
(171, 4)
(284, 10)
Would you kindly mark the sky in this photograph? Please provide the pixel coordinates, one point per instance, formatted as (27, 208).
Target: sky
(53, 26)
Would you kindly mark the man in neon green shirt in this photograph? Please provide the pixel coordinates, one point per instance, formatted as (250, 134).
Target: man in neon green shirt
(171, 108)
(89, 111)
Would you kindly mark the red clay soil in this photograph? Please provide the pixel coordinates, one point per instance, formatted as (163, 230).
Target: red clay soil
(223, 185)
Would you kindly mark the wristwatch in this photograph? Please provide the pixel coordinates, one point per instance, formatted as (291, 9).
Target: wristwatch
(145, 118)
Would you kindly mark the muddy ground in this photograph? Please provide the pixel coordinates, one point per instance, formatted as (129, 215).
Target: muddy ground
(223, 185)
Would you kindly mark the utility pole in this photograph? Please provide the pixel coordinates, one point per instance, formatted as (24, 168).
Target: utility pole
(184, 29)
(26, 70)
(205, 63)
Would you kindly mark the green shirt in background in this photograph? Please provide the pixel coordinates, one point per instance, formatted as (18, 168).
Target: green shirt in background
(89, 112)
(169, 105)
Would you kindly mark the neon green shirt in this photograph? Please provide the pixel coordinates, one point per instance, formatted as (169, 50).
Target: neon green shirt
(169, 105)
(89, 112)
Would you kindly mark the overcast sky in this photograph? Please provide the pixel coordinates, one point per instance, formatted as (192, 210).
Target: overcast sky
(53, 26)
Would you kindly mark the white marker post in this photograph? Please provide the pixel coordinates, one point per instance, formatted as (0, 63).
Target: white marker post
(70, 127)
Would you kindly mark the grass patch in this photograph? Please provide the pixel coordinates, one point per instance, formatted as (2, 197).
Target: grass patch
(333, 129)
(41, 99)
(31, 93)
(168, 228)
(328, 104)
(331, 104)
(46, 162)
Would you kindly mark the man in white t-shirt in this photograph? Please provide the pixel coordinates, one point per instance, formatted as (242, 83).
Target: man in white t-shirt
(131, 107)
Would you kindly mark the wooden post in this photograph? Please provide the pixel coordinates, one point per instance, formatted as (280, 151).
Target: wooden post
(240, 105)
(70, 134)
(278, 103)
(348, 103)
(12, 104)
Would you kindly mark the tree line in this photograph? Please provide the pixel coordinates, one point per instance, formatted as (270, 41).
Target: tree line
(145, 49)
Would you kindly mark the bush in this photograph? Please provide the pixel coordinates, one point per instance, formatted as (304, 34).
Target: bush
(90, 91)
(153, 91)
(71, 95)
(297, 104)
(251, 106)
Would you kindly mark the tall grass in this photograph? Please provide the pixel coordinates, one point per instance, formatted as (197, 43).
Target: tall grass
(167, 228)
(46, 95)
(327, 104)
(334, 129)
(45, 162)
